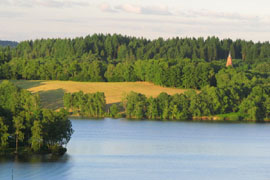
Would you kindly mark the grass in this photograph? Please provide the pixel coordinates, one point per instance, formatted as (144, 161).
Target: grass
(234, 116)
(51, 92)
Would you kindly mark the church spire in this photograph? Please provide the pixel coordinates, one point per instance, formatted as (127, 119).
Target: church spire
(229, 60)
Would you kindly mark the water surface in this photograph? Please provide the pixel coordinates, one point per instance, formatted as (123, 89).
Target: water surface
(151, 150)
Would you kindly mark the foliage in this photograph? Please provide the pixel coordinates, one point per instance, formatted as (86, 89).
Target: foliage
(114, 110)
(256, 105)
(135, 105)
(209, 102)
(89, 104)
(23, 123)
(165, 107)
(195, 63)
(176, 62)
(116, 48)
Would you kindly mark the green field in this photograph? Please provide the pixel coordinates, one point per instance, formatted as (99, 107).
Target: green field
(51, 92)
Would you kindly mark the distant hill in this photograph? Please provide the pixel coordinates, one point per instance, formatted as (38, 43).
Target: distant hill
(8, 43)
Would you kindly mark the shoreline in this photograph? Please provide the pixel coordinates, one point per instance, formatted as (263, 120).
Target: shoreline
(26, 151)
(208, 119)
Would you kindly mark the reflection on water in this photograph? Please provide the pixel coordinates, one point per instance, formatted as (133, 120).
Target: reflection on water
(149, 150)
(34, 167)
(34, 159)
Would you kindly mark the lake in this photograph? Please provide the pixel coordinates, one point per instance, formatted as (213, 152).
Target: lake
(118, 149)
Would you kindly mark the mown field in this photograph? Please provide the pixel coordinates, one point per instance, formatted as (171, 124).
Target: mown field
(51, 92)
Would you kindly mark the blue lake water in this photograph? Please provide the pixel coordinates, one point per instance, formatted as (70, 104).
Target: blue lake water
(118, 149)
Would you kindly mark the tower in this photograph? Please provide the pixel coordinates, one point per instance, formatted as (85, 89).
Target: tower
(229, 60)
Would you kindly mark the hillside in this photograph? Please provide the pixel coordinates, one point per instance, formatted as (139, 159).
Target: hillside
(177, 62)
(8, 43)
(51, 92)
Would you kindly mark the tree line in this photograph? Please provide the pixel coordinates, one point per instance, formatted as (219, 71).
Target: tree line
(111, 58)
(26, 127)
(209, 102)
(117, 47)
(238, 95)
(236, 102)
(85, 104)
(182, 73)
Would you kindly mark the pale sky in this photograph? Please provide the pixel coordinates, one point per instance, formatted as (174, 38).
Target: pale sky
(32, 19)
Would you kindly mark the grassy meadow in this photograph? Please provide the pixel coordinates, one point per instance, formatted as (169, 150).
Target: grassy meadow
(51, 92)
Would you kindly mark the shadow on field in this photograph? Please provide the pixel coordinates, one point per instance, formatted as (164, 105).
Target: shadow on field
(26, 84)
(52, 99)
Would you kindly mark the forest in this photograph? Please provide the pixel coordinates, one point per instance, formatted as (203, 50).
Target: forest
(231, 99)
(118, 48)
(90, 104)
(26, 128)
(209, 102)
(191, 63)
(176, 62)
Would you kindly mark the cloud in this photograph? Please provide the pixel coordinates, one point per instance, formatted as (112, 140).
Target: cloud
(203, 13)
(44, 3)
(160, 10)
(129, 8)
(5, 2)
(8, 14)
(105, 7)
(195, 24)
(136, 9)
(177, 12)
(60, 4)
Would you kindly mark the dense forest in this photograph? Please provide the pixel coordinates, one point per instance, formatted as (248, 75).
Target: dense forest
(209, 102)
(118, 48)
(238, 96)
(90, 104)
(27, 128)
(194, 63)
(176, 62)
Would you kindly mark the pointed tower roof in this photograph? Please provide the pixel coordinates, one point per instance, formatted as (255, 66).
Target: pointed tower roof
(229, 60)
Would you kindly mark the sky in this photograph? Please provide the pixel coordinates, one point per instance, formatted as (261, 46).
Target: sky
(35, 19)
